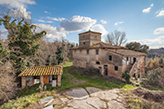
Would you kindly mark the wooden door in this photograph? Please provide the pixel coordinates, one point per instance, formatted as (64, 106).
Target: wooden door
(46, 79)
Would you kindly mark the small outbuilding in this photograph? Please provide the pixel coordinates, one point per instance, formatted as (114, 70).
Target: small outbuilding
(41, 74)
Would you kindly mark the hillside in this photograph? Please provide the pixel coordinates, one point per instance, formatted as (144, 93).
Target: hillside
(156, 52)
(82, 88)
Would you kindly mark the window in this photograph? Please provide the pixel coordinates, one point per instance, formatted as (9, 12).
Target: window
(127, 58)
(97, 52)
(110, 58)
(97, 62)
(83, 43)
(87, 51)
(116, 68)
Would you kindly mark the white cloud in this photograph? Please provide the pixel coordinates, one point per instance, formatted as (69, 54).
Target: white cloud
(103, 40)
(74, 24)
(61, 19)
(118, 23)
(161, 13)
(49, 21)
(3, 33)
(44, 21)
(103, 21)
(159, 10)
(153, 43)
(77, 23)
(21, 12)
(99, 28)
(52, 32)
(19, 7)
(47, 12)
(41, 21)
(55, 19)
(159, 30)
(147, 10)
(17, 3)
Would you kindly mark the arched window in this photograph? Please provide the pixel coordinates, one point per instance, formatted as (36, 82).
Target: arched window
(97, 62)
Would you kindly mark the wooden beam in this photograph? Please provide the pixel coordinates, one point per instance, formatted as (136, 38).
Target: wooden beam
(59, 80)
(23, 81)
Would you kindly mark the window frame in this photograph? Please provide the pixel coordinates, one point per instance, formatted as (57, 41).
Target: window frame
(97, 63)
(97, 51)
(116, 68)
(110, 57)
(88, 51)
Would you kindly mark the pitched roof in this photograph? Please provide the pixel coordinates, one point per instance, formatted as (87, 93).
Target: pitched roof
(90, 32)
(126, 52)
(116, 49)
(105, 45)
(100, 45)
(42, 70)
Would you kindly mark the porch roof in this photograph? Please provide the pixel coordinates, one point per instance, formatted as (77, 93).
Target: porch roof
(42, 70)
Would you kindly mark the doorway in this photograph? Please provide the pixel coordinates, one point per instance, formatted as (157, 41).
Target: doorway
(46, 79)
(134, 60)
(100, 69)
(105, 70)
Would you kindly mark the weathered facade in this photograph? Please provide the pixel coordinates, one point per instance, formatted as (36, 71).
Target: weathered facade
(110, 60)
(41, 74)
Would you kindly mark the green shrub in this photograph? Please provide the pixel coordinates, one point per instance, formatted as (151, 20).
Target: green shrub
(126, 76)
(156, 77)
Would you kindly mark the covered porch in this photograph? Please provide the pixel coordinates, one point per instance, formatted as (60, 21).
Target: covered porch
(41, 74)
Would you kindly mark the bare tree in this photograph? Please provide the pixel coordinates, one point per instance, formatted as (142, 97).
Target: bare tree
(117, 38)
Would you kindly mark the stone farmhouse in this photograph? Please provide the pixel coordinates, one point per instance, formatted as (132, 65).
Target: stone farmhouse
(110, 60)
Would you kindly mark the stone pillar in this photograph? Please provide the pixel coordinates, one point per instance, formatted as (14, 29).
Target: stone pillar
(59, 80)
(23, 81)
(42, 80)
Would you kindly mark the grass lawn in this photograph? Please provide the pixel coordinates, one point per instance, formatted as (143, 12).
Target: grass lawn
(79, 77)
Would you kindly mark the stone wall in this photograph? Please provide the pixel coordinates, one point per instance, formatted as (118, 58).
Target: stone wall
(139, 66)
(84, 60)
(88, 39)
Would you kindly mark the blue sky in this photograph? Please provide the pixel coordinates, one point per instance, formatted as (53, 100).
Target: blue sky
(142, 20)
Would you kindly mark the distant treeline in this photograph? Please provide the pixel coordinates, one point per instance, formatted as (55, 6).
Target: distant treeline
(156, 52)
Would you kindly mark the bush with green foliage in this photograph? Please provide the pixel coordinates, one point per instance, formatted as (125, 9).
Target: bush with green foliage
(156, 77)
(126, 76)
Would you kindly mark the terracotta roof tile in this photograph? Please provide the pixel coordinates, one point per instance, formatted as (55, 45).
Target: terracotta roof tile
(42, 70)
(126, 52)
